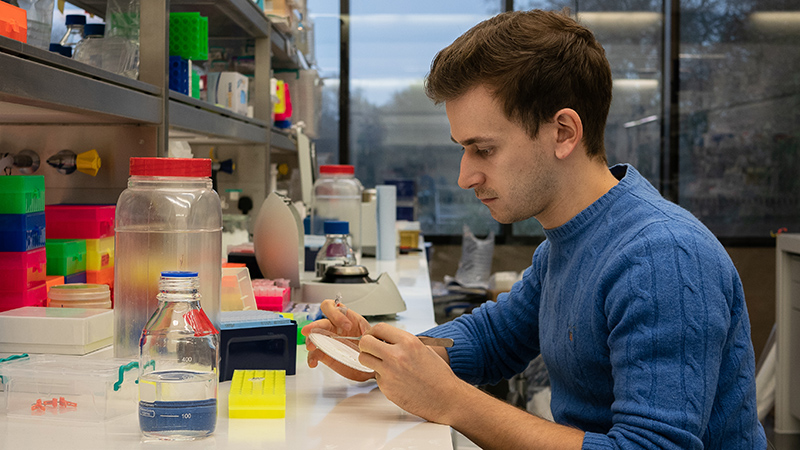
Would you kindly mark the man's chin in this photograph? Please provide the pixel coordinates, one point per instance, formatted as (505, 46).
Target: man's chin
(501, 219)
(506, 219)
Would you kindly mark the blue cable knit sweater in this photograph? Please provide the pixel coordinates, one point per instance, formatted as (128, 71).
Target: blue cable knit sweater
(640, 317)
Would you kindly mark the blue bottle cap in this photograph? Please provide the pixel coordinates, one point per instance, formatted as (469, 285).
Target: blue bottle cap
(60, 49)
(75, 19)
(94, 29)
(336, 227)
(178, 274)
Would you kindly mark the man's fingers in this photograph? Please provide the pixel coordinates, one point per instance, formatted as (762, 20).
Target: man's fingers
(339, 319)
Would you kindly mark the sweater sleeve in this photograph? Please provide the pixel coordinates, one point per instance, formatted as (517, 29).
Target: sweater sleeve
(668, 316)
(498, 339)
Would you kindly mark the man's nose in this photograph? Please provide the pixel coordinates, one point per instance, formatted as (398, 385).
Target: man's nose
(469, 175)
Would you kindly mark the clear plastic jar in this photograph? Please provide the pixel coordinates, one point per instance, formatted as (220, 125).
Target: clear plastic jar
(178, 362)
(169, 217)
(79, 295)
(337, 196)
(336, 250)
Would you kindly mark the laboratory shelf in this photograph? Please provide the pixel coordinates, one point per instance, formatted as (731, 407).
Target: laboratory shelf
(285, 54)
(38, 86)
(200, 122)
(282, 141)
(227, 18)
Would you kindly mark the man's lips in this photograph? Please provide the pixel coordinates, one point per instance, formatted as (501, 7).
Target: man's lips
(487, 200)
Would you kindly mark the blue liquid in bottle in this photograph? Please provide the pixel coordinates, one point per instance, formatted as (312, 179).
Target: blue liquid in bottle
(178, 404)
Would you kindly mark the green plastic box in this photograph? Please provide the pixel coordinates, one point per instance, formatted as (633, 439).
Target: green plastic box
(65, 256)
(21, 194)
(188, 35)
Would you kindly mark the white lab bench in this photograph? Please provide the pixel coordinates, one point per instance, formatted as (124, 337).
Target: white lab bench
(323, 410)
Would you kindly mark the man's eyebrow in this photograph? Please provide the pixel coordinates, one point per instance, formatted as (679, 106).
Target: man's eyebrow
(471, 141)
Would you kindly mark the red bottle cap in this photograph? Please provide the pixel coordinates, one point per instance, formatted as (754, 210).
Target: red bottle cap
(171, 167)
(337, 168)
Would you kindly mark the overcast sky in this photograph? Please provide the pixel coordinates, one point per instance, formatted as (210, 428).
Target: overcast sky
(392, 43)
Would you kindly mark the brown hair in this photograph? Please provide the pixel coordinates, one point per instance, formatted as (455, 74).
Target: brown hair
(535, 62)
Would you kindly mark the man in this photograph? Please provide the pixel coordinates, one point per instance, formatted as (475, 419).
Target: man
(634, 305)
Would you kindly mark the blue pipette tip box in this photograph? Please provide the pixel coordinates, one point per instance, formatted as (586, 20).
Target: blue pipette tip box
(256, 340)
(250, 318)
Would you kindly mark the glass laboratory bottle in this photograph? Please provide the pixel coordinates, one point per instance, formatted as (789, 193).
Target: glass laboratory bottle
(337, 249)
(90, 49)
(75, 24)
(337, 196)
(178, 361)
(114, 53)
(169, 217)
(122, 37)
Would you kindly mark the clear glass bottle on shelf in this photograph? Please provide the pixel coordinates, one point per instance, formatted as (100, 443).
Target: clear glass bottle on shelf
(115, 54)
(337, 249)
(90, 49)
(122, 37)
(75, 25)
(178, 364)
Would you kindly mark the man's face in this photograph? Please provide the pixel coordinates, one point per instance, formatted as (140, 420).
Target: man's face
(512, 174)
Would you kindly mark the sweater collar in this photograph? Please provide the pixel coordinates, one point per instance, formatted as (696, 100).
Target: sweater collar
(627, 176)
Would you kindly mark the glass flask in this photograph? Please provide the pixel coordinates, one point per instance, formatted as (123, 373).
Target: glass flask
(337, 249)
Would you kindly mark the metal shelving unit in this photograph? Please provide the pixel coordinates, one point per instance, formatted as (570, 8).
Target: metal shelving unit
(200, 122)
(193, 120)
(231, 18)
(42, 87)
(137, 117)
(283, 141)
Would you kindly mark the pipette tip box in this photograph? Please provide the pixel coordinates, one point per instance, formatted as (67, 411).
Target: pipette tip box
(256, 339)
(70, 331)
(22, 232)
(21, 194)
(80, 221)
(257, 394)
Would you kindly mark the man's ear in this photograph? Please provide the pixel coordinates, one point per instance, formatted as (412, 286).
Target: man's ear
(569, 132)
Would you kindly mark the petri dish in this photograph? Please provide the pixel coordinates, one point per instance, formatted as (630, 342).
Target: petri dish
(344, 351)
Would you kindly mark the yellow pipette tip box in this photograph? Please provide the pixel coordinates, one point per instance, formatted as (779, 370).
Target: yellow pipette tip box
(257, 394)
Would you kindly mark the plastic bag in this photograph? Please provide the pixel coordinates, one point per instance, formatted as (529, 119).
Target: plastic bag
(475, 266)
(531, 389)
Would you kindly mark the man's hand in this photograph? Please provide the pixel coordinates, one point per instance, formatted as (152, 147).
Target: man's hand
(409, 373)
(343, 322)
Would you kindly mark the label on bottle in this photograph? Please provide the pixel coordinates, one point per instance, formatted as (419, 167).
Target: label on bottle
(176, 416)
(200, 323)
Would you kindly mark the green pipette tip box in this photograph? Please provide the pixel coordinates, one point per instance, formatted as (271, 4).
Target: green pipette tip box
(65, 256)
(188, 35)
(21, 194)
